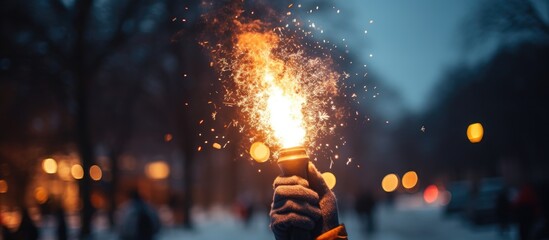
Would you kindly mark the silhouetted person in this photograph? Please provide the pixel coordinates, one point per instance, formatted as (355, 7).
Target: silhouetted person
(245, 209)
(526, 211)
(139, 221)
(503, 211)
(365, 207)
(61, 224)
(27, 229)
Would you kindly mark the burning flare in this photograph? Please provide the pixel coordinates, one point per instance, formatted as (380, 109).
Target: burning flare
(284, 95)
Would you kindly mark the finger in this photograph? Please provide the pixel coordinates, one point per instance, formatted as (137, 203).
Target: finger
(301, 208)
(292, 180)
(285, 222)
(296, 192)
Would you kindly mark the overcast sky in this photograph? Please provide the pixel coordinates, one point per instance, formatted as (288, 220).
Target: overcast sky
(412, 42)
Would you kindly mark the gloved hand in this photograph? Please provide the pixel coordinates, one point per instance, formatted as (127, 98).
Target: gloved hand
(306, 204)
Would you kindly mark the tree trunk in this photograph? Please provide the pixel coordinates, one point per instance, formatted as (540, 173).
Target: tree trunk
(188, 166)
(86, 156)
(113, 186)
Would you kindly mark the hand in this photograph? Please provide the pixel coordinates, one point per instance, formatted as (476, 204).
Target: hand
(300, 204)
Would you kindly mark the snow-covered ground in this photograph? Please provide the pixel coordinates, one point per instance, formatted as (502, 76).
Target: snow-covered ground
(405, 220)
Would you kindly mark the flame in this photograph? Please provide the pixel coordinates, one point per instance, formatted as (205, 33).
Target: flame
(284, 94)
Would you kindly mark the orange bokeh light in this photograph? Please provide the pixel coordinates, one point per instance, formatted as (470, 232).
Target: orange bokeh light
(475, 132)
(389, 182)
(409, 180)
(96, 173)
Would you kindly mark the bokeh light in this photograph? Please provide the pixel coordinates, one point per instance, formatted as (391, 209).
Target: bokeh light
(77, 171)
(475, 132)
(389, 182)
(3, 186)
(260, 152)
(409, 180)
(330, 179)
(96, 173)
(168, 137)
(157, 170)
(64, 171)
(41, 195)
(49, 165)
(216, 146)
(430, 195)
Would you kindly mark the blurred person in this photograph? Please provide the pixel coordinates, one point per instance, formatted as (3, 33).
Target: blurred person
(365, 206)
(245, 209)
(527, 210)
(306, 207)
(61, 224)
(138, 220)
(503, 211)
(27, 229)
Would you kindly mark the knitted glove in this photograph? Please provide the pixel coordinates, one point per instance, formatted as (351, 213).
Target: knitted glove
(307, 207)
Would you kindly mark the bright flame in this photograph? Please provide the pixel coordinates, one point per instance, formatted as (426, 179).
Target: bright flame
(284, 95)
(285, 117)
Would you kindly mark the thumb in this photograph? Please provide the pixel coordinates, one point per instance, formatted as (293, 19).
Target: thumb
(316, 181)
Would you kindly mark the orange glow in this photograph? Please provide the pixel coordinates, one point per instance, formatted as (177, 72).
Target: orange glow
(64, 171)
(168, 137)
(157, 170)
(260, 152)
(389, 182)
(284, 95)
(77, 171)
(49, 165)
(98, 201)
(216, 146)
(330, 179)
(409, 180)
(475, 132)
(96, 173)
(430, 195)
(3, 186)
(41, 195)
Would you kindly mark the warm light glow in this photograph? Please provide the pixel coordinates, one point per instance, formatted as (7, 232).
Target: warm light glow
(285, 117)
(284, 95)
(64, 171)
(157, 170)
(77, 171)
(260, 152)
(475, 132)
(168, 137)
(216, 145)
(96, 173)
(330, 179)
(430, 194)
(409, 180)
(389, 182)
(41, 195)
(49, 165)
(3, 186)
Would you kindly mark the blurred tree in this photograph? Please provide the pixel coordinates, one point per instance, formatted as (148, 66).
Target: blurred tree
(72, 42)
(508, 22)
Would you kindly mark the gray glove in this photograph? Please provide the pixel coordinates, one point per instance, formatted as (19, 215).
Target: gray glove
(309, 206)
